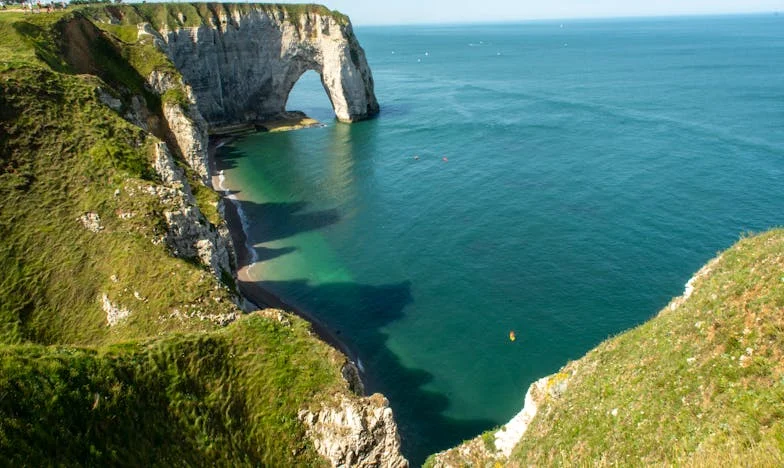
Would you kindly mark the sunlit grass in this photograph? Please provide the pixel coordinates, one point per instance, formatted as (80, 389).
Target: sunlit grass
(228, 397)
(691, 386)
(166, 385)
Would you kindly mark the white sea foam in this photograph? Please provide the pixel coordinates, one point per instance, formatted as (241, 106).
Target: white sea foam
(254, 257)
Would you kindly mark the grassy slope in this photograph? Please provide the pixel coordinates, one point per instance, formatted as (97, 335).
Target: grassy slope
(73, 388)
(702, 384)
(175, 15)
(228, 397)
(63, 154)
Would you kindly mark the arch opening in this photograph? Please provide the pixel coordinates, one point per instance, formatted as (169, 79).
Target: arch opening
(309, 95)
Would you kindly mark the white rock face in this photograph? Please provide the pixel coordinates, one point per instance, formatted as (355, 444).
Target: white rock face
(190, 131)
(509, 435)
(188, 234)
(185, 122)
(357, 432)
(91, 221)
(478, 452)
(114, 313)
(688, 290)
(242, 66)
(165, 166)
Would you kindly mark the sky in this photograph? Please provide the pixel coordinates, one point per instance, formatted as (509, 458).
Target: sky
(374, 12)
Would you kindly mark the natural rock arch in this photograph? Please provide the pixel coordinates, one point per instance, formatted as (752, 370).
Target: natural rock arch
(242, 66)
(310, 95)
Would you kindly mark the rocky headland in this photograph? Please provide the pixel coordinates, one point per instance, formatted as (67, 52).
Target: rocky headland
(135, 92)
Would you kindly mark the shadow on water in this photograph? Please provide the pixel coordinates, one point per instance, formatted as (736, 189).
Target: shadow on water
(264, 253)
(238, 236)
(357, 313)
(396, 110)
(226, 156)
(282, 220)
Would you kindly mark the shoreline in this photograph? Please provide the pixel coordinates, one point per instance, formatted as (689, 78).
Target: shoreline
(249, 288)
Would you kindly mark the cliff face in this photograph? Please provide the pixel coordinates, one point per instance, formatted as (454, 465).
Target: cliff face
(111, 235)
(241, 68)
(242, 65)
(356, 432)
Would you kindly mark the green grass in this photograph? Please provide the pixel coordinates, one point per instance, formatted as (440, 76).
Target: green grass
(207, 200)
(127, 33)
(702, 384)
(24, 40)
(165, 386)
(228, 397)
(176, 15)
(65, 154)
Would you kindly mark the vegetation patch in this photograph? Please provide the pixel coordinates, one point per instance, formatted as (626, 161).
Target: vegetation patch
(228, 397)
(700, 384)
(111, 350)
(171, 16)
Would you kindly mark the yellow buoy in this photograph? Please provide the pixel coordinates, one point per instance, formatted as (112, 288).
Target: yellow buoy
(512, 336)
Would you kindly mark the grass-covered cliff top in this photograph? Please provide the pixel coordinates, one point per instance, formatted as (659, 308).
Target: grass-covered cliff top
(176, 15)
(64, 154)
(167, 385)
(701, 384)
(226, 398)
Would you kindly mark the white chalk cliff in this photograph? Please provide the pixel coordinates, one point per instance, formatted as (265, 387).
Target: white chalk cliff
(242, 64)
(238, 66)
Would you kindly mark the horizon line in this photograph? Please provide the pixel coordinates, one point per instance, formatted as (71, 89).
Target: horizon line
(571, 18)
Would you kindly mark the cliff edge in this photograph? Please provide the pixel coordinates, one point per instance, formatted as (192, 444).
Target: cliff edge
(123, 338)
(700, 384)
(242, 60)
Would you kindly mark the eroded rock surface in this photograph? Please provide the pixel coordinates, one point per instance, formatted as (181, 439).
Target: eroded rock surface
(356, 432)
(189, 234)
(243, 65)
(493, 448)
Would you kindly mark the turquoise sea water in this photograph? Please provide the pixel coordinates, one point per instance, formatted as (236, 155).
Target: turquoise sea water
(591, 168)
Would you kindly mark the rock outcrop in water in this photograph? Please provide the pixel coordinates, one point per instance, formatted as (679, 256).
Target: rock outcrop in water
(242, 62)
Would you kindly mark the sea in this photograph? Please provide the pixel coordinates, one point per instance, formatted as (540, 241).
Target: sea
(561, 180)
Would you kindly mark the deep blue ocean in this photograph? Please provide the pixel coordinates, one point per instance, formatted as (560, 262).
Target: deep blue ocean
(591, 167)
